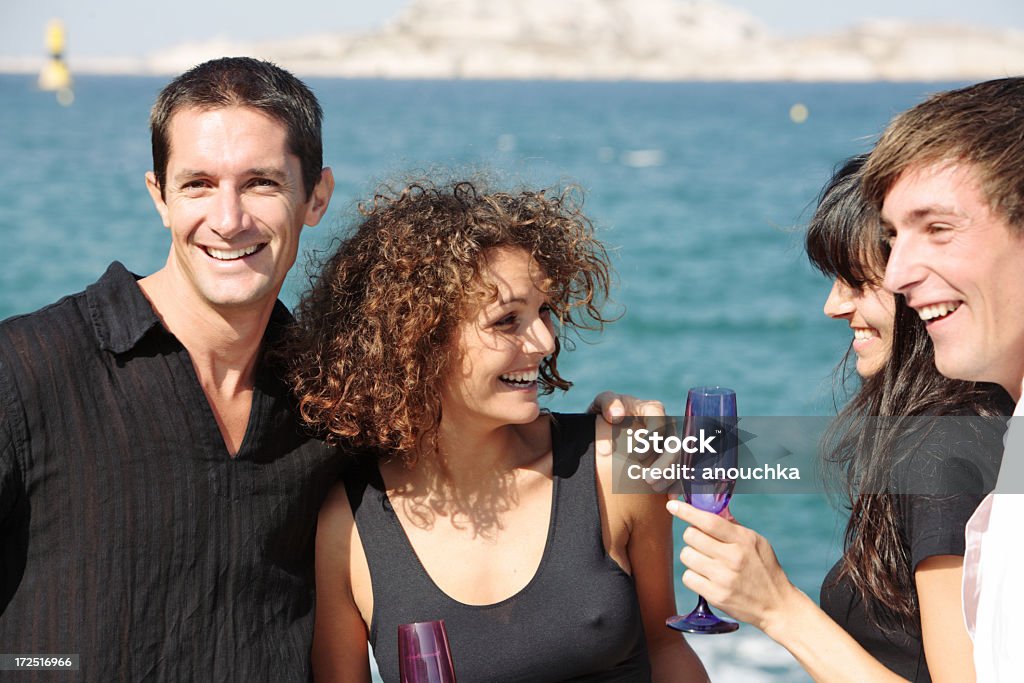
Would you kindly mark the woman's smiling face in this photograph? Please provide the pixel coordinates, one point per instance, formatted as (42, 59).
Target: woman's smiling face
(499, 348)
(870, 311)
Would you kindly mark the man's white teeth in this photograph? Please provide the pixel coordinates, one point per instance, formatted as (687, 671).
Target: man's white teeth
(938, 310)
(230, 255)
(520, 377)
(863, 333)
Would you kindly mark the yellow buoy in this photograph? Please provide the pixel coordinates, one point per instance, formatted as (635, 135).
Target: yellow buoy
(55, 37)
(798, 113)
(55, 75)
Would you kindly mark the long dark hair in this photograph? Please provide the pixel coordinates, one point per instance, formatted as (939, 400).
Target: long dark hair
(843, 241)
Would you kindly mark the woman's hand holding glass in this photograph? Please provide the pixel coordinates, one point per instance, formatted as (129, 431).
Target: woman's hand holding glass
(734, 568)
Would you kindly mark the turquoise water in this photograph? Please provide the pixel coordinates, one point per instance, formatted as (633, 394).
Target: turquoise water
(700, 188)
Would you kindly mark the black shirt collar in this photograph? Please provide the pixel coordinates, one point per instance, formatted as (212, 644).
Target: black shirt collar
(121, 315)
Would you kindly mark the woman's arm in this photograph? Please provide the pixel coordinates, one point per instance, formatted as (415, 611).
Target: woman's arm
(736, 570)
(339, 634)
(947, 646)
(647, 530)
(650, 555)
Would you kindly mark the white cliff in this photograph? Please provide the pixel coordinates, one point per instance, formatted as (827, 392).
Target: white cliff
(622, 39)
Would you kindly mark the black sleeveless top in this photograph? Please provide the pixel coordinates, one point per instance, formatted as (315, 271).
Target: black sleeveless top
(578, 619)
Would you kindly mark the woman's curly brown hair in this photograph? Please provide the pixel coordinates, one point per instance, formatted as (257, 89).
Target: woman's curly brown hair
(374, 333)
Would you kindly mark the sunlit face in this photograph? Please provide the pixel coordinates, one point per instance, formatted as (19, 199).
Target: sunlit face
(235, 205)
(499, 347)
(870, 311)
(962, 269)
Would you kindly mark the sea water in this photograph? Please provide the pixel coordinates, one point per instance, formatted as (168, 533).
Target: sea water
(700, 190)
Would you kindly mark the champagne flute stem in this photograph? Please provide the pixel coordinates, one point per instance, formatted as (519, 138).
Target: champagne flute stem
(702, 609)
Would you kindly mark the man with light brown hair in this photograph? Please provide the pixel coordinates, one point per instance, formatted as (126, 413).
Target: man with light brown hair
(948, 178)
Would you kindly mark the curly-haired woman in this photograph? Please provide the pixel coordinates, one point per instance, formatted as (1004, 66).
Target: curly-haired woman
(424, 345)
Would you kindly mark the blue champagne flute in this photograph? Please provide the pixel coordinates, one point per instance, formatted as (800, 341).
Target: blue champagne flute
(709, 411)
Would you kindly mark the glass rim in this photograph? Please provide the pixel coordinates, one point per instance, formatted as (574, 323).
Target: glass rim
(712, 390)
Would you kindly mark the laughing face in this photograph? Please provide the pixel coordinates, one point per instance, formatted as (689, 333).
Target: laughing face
(870, 311)
(961, 267)
(235, 205)
(500, 347)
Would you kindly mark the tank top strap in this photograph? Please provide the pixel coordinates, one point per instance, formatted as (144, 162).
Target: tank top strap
(395, 571)
(576, 513)
(366, 496)
(571, 438)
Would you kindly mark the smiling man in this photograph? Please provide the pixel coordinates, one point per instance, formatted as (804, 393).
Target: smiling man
(157, 495)
(947, 177)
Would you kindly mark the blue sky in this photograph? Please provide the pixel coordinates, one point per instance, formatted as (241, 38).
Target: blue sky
(110, 28)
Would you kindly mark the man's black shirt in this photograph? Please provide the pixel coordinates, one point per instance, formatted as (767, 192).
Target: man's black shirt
(129, 534)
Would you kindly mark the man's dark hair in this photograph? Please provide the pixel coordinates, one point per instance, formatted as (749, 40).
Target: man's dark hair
(243, 82)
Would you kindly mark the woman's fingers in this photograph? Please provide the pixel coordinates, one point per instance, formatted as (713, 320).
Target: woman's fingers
(699, 583)
(716, 590)
(707, 522)
(719, 562)
(707, 544)
(613, 407)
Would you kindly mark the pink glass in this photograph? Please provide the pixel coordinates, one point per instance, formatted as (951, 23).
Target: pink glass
(424, 655)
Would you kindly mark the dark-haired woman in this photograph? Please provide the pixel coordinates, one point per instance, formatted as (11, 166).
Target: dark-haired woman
(890, 608)
(424, 344)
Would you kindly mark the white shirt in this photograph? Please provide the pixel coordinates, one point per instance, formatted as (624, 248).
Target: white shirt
(993, 588)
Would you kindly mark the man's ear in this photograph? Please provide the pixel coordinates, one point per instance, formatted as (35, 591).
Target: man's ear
(321, 197)
(157, 196)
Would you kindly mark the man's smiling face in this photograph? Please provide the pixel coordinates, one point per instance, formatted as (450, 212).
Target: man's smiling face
(235, 205)
(961, 267)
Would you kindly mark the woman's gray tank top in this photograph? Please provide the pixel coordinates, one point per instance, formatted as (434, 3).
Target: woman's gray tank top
(578, 619)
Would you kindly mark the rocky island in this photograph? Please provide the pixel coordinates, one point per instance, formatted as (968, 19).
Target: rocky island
(616, 40)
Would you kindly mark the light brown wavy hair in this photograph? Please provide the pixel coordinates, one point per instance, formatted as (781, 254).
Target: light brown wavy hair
(981, 125)
(375, 332)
